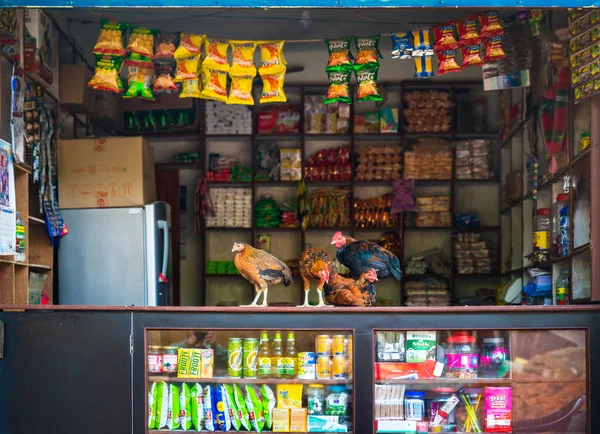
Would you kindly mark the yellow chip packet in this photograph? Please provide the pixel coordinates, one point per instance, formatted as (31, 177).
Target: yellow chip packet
(243, 58)
(240, 90)
(214, 84)
(273, 88)
(189, 45)
(272, 60)
(216, 54)
(190, 89)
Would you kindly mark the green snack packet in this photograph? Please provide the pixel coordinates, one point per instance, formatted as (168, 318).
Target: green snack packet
(268, 401)
(107, 74)
(152, 406)
(110, 39)
(240, 403)
(185, 407)
(367, 90)
(255, 409)
(140, 82)
(367, 51)
(339, 54)
(197, 403)
(234, 414)
(162, 405)
(173, 408)
(339, 87)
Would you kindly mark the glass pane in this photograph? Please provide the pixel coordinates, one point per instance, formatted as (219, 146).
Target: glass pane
(271, 380)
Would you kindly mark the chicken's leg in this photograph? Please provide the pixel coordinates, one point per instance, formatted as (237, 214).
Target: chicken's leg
(320, 290)
(258, 291)
(306, 284)
(265, 290)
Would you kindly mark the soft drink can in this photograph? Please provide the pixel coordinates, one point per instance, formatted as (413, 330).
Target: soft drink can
(195, 362)
(208, 362)
(338, 345)
(183, 362)
(339, 367)
(234, 358)
(307, 367)
(250, 367)
(323, 368)
(323, 345)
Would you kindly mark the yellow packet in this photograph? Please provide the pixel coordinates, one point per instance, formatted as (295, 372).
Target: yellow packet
(272, 60)
(190, 89)
(183, 363)
(189, 45)
(216, 54)
(289, 396)
(273, 88)
(240, 91)
(195, 363)
(243, 58)
(214, 84)
(187, 68)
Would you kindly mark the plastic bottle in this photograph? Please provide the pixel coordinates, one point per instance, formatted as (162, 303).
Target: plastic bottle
(291, 357)
(277, 367)
(479, 118)
(20, 238)
(264, 356)
(560, 225)
(562, 284)
(542, 235)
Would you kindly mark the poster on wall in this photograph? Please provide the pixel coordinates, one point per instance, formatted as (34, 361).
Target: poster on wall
(7, 200)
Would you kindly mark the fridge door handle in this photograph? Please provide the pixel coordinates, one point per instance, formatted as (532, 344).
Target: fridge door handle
(162, 224)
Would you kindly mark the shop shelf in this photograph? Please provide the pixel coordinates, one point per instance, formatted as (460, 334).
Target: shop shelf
(174, 165)
(35, 220)
(233, 184)
(581, 249)
(267, 230)
(428, 228)
(461, 182)
(227, 380)
(515, 130)
(441, 382)
(447, 136)
(373, 183)
(378, 136)
(278, 136)
(328, 183)
(24, 167)
(276, 183)
(378, 229)
(432, 182)
(40, 266)
(477, 230)
(221, 228)
(228, 136)
(580, 156)
(235, 276)
(327, 136)
(467, 136)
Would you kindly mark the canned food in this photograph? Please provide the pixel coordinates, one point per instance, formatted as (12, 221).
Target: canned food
(323, 368)
(234, 358)
(339, 367)
(323, 345)
(155, 359)
(338, 345)
(350, 367)
(250, 367)
(170, 359)
(307, 368)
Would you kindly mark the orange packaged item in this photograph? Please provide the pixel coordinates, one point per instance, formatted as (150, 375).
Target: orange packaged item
(214, 83)
(490, 24)
(107, 75)
(367, 51)
(216, 54)
(165, 46)
(110, 39)
(187, 68)
(493, 49)
(471, 55)
(141, 41)
(447, 61)
(190, 89)
(467, 31)
(273, 88)
(444, 35)
(189, 45)
(396, 370)
(272, 60)
(240, 90)
(243, 58)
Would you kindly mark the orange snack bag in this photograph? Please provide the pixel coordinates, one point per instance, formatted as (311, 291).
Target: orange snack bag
(240, 91)
(214, 83)
(243, 58)
(273, 88)
(272, 60)
(216, 54)
(189, 45)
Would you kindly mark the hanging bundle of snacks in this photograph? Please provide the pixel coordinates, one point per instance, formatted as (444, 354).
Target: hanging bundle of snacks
(140, 50)
(339, 54)
(109, 51)
(422, 52)
(402, 47)
(187, 58)
(470, 41)
(339, 70)
(366, 66)
(110, 39)
(242, 73)
(446, 48)
(214, 70)
(272, 71)
(164, 63)
(493, 34)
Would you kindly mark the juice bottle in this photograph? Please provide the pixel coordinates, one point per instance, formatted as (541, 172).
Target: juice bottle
(291, 358)
(264, 356)
(277, 369)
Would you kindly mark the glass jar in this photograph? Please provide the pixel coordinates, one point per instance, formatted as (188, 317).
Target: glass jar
(493, 358)
(155, 359)
(462, 355)
(316, 399)
(541, 235)
(414, 405)
(170, 359)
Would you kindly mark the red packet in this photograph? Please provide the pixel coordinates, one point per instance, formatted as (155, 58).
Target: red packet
(471, 55)
(493, 49)
(467, 31)
(447, 61)
(490, 24)
(444, 35)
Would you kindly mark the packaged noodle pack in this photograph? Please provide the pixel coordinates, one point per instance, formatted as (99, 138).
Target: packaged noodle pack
(185, 407)
(141, 41)
(273, 88)
(152, 406)
(268, 399)
(240, 90)
(107, 75)
(235, 415)
(173, 407)
(255, 409)
(240, 403)
(162, 404)
(197, 406)
(110, 39)
(272, 60)
(243, 58)
(221, 410)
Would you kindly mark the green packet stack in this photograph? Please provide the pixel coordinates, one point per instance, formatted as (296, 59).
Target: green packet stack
(267, 214)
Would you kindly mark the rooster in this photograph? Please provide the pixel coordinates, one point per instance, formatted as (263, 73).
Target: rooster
(315, 264)
(360, 256)
(260, 269)
(343, 291)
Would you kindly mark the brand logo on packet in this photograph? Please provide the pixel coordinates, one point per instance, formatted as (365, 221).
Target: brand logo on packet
(364, 76)
(334, 45)
(365, 43)
(340, 76)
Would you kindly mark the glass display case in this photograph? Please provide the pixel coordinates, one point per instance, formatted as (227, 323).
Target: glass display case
(496, 381)
(249, 380)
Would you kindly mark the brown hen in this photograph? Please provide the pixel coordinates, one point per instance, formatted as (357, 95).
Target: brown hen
(344, 291)
(315, 264)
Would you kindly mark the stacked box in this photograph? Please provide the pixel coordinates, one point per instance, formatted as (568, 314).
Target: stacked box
(232, 208)
(472, 255)
(378, 163)
(228, 119)
(472, 159)
(433, 211)
(428, 160)
(325, 119)
(427, 292)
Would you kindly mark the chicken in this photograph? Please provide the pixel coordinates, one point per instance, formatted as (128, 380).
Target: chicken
(315, 264)
(260, 269)
(343, 291)
(360, 256)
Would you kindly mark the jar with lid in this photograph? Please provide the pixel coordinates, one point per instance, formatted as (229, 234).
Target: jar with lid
(316, 399)
(155, 359)
(560, 225)
(494, 356)
(462, 355)
(414, 405)
(541, 235)
(170, 359)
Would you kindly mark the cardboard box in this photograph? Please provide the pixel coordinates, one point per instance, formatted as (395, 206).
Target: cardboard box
(75, 94)
(281, 420)
(105, 172)
(328, 423)
(298, 419)
(40, 48)
(420, 346)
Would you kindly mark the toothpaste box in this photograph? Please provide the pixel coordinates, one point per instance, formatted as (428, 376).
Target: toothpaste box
(498, 409)
(420, 346)
(327, 423)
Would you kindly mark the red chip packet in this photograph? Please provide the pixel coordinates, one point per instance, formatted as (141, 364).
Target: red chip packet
(444, 35)
(447, 61)
(468, 32)
(493, 49)
(471, 55)
(490, 24)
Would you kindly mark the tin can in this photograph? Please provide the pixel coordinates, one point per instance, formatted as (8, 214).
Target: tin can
(323, 345)
(339, 368)
(250, 367)
(169, 359)
(350, 367)
(208, 362)
(155, 359)
(307, 368)
(195, 363)
(323, 368)
(338, 345)
(234, 358)
(183, 362)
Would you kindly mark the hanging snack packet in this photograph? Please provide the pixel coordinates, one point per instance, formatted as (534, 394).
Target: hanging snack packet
(190, 89)
(141, 41)
(536, 17)
(165, 46)
(221, 410)
(273, 88)
(240, 90)
(401, 45)
(243, 58)
(189, 45)
(173, 409)
(139, 82)
(339, 87)
(268, 399)
(240, 403)
(235, 415)
(107, 75)
(367, 51)
(471, 55)
(197, 403)
(422, 42)
(152, 406)
(490, 24)
(272, 60)
(447, 61)
(110, 39)
(185, 407)
(209, 408)
(367, 83)
(467, 31)
(216, 54)
(187, 68)
(423, 67)
(214, 84)
(444, 35)
(255, 409)
(339, 54)
(164, 81)
(162, 405)
(493, 49)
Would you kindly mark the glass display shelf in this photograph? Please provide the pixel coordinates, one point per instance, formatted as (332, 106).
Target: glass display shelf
(249, 380)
